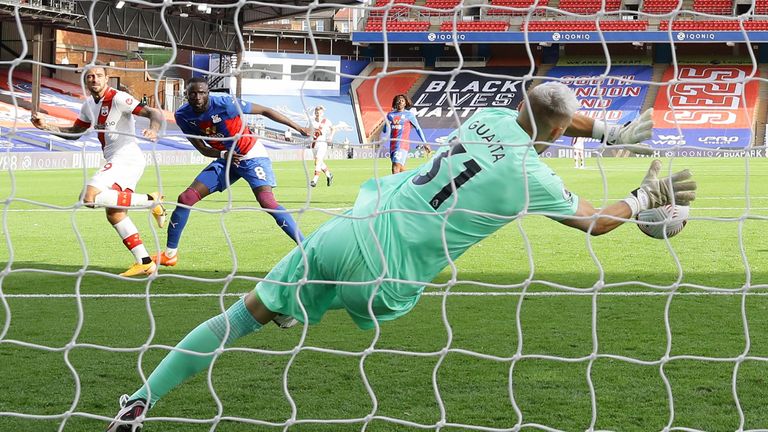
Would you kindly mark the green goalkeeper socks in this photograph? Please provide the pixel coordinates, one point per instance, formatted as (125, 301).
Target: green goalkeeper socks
(177, 366)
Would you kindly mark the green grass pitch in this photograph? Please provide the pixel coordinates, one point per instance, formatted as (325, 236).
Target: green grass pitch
(61, 356)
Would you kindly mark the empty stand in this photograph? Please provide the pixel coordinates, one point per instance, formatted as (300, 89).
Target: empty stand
(714, 25)
(377, 25)
(761, 7)
(660, 6)
(519, 4)
(444, 7)
(398, 8)
(589, 6)
(574, 25)
(475, 26)
(713, 7)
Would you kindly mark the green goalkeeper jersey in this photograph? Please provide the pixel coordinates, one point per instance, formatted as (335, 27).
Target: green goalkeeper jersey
(487, 177)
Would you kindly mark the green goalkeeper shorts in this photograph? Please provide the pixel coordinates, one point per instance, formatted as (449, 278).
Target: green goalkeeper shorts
(338, 277)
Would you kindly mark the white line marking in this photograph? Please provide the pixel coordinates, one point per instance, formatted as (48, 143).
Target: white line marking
(341, 209)
(426, 294)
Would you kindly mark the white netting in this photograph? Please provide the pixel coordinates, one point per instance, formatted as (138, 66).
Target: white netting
(539, 327)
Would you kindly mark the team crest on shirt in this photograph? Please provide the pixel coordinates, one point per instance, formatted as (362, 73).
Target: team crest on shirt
(567, 195)
(129, 101)
(215, 118)
(104, 111)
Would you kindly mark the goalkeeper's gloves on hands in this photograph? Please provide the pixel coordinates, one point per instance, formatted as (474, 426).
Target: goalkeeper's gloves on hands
(630, 136)
(656, 192)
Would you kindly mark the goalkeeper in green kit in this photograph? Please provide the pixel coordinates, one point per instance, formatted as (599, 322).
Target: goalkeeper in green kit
(490, 174)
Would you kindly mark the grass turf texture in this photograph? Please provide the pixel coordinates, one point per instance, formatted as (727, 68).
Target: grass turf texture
(717, 249)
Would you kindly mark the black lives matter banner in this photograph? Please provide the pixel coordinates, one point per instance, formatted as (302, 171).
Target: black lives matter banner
(467, 92)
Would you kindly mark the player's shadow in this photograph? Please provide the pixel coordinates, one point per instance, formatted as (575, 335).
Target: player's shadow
(31, 278)
(291, 204)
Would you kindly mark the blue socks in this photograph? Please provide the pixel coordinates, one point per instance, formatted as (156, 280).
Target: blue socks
(179, 219)
(284, 221)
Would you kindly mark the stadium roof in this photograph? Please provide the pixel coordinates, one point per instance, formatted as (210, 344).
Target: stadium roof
(207, 25)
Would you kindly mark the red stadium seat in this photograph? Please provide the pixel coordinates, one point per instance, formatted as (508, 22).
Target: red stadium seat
(660, 6)
(713, 7)
(714, 25)
(446, 5)
(469, 26)
(518, 4)
(574, 25)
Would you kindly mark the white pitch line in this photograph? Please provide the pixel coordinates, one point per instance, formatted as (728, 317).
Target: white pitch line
(210, 211)
(426, 294)
(341, 209)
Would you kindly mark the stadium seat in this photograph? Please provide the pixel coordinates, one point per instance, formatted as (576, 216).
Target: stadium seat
(575, 25)
(376, 25)
(470, 26)
(518, 4)
(713, 7)
(445, 7)
(659, 6)
(714, 25)
(589, 6)
(761, 7)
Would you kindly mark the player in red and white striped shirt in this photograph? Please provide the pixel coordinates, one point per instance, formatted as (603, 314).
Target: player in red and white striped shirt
(111, 113)
(322, 132)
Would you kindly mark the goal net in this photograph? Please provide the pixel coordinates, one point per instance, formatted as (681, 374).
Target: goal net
(538, 326)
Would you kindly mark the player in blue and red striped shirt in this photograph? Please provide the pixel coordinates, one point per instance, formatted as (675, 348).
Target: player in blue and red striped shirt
(400, 121)
(217, 118)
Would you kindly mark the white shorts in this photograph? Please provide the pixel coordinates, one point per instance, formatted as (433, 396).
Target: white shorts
(578, 146)
(123, 171)
(319, 150)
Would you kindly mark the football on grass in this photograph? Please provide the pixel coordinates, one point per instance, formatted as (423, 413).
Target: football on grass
(667, 219)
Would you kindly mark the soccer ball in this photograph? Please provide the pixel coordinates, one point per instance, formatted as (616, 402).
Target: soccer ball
(670, 219)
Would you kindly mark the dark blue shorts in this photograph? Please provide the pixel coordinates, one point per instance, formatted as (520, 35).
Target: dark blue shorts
(399, 156)
(257, 172)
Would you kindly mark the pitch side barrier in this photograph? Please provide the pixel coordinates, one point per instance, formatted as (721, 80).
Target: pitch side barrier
(567, 152)
(27, 161)
(24, 161)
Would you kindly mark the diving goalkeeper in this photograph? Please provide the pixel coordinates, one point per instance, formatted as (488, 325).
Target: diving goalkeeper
(460, 197)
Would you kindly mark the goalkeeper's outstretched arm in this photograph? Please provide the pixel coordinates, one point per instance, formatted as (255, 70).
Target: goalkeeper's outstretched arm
(679, 188)
(629, 136)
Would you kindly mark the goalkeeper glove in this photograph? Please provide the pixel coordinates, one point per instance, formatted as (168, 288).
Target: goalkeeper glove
(656, 192)
(630, 136)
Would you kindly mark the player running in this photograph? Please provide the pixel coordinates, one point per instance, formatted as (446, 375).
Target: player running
(322, 132)
(477, 184)
(111, 113)
(216, 117)
(400, 121)
(578, 153)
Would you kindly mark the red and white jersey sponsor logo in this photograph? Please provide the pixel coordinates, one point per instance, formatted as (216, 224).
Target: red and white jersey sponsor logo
(114, 122)
(321, 131)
